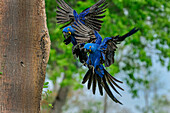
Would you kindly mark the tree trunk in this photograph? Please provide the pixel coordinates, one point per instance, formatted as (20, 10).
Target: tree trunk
(60, 99)
(24, 53)
(105, 104)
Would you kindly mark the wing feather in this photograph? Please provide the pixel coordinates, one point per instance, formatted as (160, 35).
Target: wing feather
(83, 33)
(64, 13)
(109, 46)
(94, 13)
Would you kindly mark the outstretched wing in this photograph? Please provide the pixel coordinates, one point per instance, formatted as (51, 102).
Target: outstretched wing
(83, 33)
(103, 83)
(64, 13)
(90, 16)
(108, 47)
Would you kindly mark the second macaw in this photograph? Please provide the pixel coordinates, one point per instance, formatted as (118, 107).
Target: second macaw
(101, 52)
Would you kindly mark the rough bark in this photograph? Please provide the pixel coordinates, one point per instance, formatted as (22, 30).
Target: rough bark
(24, 53)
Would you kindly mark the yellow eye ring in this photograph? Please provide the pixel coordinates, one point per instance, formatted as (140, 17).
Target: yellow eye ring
(90, 47)
(69, 32)
(68, 29)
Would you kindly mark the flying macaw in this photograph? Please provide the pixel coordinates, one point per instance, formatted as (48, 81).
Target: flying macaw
(100, 52)
(90, 17)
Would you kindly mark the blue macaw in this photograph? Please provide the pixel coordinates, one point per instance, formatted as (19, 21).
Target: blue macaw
(100, 52)
(90, 17)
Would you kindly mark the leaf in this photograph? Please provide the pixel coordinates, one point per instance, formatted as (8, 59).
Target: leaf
(168, 66)
(49, 92)
(45, 86)
(46, 83)
(50, 105)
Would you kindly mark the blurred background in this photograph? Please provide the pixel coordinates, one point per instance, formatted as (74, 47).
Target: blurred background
(142, 61)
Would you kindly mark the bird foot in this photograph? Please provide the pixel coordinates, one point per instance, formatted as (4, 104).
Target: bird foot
(91, 67)
(85, 64)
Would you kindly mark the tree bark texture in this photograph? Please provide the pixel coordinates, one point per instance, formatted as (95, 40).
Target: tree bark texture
(24, 53)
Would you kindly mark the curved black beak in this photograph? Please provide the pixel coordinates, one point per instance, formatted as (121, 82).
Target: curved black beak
(65, 35)
(67, 38)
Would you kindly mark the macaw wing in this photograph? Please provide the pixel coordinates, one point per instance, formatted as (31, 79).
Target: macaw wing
(90, 16)
(108, 47)
(83, 34)
(65, 13)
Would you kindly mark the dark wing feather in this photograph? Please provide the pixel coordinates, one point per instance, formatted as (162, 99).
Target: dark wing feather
(118, 38)
(109, 47)
(79, 52)
(90, 16)
(83, 34)
(64, 13)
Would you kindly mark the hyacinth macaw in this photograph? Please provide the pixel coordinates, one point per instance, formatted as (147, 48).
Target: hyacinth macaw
(100, 52)
(90, 17)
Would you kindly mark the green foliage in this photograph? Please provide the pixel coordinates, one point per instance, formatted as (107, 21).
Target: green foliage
(50, 105)
(46, 85)
(83, 105)
(150, 16)
(91, 109)
(1, 74)
(48, 92)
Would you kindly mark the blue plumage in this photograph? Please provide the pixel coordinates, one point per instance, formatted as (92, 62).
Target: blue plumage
(82, 31)
(89, 17)
(69, 35)
(101, 52)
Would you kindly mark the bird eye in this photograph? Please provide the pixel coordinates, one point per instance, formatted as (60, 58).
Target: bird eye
(68, 29)
(90, 47)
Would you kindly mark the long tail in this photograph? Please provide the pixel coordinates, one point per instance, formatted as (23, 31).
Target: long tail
(103, 82)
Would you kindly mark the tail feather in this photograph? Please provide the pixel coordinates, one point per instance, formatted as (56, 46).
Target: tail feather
(87, 76)
(108, 80)
(94, 83)
(107, 89)
(113, 78)
(90, 81)
(116, 84)
(110, 77)
(99, 85)
(103, 82)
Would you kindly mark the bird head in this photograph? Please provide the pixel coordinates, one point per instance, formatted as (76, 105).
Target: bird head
(90, 47)
(68, 32)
